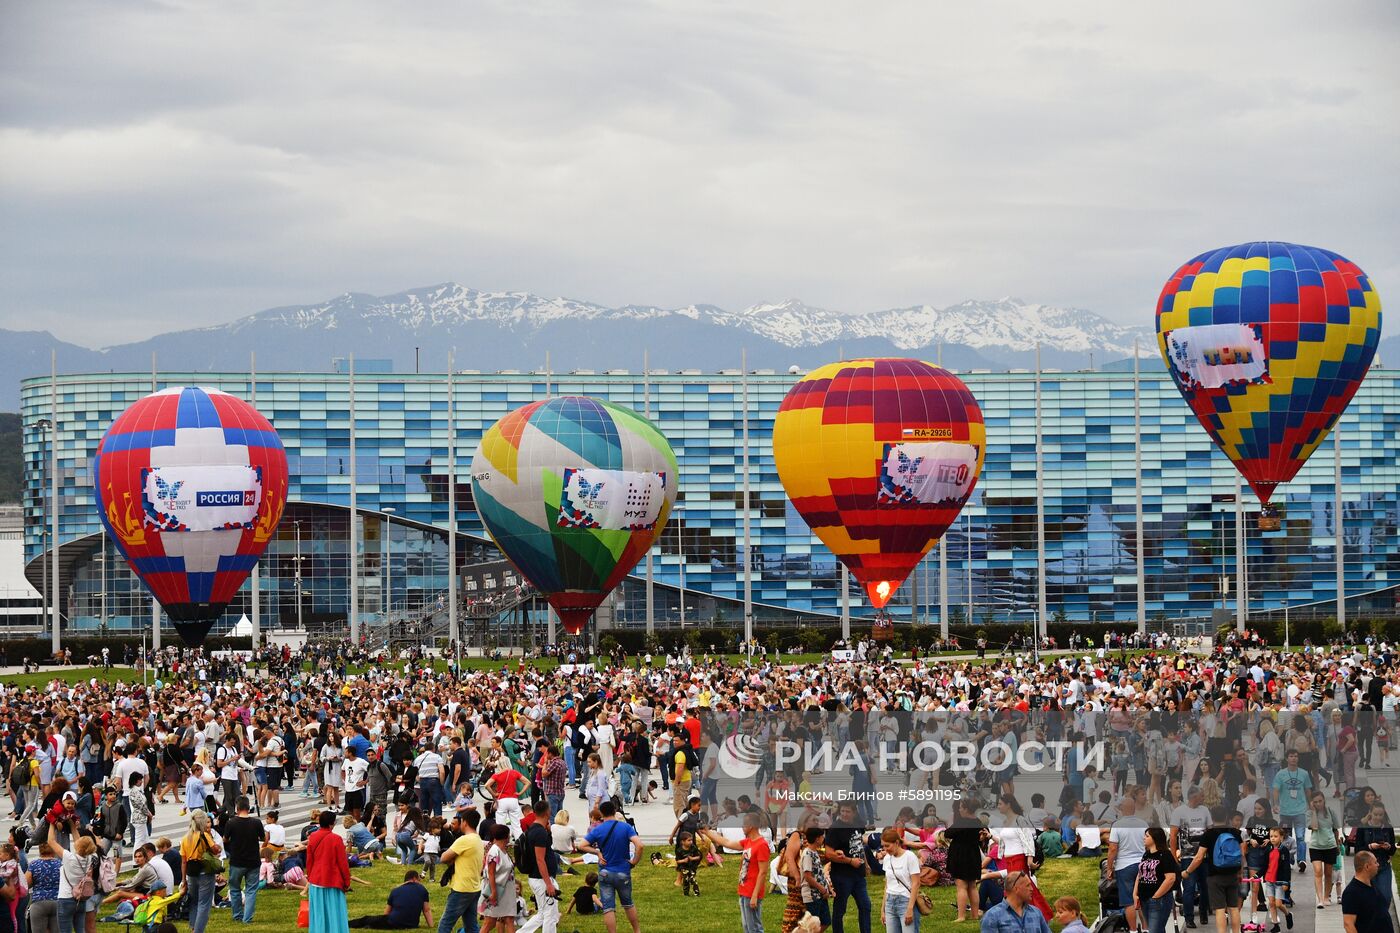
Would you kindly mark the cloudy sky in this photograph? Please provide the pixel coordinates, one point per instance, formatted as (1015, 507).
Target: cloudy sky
(168, 164)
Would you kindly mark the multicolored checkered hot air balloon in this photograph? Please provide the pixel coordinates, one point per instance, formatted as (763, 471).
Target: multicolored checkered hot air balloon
(879, 456)
(574, 491)
(192, 484)
(1267, 343)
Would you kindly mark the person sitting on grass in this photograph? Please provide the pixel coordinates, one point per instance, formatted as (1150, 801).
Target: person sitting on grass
(585, 899)
(360, 840)
(406, 904)
(148, 879)
(1051, 842)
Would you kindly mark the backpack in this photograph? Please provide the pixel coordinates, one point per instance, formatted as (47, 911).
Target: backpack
(521, 854)
(85, 886)
(106, 875)
(1226, 851)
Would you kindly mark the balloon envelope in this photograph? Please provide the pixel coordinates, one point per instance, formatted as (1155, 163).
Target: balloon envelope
(192, 483)
(1268, 342)
(879, 456)
(574, 491)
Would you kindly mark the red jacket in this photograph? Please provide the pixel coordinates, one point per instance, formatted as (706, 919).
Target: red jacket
(327, 865)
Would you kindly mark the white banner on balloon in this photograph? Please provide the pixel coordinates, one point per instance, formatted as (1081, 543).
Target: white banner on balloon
(926, 473)
(201, 497)
(1209, 356)
(611, 500)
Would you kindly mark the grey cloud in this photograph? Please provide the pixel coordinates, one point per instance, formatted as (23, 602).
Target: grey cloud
(192, 162)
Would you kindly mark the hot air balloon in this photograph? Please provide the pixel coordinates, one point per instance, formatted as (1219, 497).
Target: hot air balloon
(574, 491)
(879, 456)
(192, 483)
(1268, 342)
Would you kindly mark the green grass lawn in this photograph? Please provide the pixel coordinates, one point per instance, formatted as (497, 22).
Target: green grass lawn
(71, 675)
(659, 903)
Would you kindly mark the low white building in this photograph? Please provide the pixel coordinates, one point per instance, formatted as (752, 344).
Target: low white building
(21, 606)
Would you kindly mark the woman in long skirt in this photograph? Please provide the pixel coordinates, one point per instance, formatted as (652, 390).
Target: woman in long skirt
(328, 878)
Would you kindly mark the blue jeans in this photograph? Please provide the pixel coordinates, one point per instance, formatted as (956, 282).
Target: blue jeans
(895, 905)
(461, 905)
(843, 888)
(1157, 910)
(310, 785)
(752, 917)
(201, 893)
(1299, 824)
(556, 803)
(242, 892)
(430, 796)
(571, 762)
(1193, 886)
(614, 890)
(1127, 880)
(626, 774)
(1382, 882)
(72, 915)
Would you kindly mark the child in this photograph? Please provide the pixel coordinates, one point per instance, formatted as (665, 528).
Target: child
(267, 869)
(463, 801)
(585, 899)
(430, 848)
(1121, 762)
(687, 863)
(1070, 916)
(1278, 875)
(815, 890)
(1051, 841)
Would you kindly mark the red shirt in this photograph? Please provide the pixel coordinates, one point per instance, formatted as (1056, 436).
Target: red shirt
(756, 855)
(506, 783)
(692, 725)
(327, 865)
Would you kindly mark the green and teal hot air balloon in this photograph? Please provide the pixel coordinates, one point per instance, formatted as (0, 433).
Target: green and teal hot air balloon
(574, 491)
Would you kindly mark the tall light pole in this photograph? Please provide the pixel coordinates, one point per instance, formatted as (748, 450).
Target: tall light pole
(680, 549)
(102, 560)
(300, 626)
(55, 604)
(44, 425)
(388, 562)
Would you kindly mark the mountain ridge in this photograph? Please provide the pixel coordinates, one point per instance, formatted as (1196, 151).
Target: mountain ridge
(515, 329)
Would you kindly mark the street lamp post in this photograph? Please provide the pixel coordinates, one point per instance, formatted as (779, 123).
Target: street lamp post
(388, 564)
(101, 561)
(300, 626)
(43, 425)
(680, 549)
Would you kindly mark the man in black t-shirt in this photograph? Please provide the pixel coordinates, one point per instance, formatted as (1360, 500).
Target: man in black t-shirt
(845, 851)
(459, 766)
(1363, 908)
(243, 839)
(1222, 877)
(407, 903)
(539, 846)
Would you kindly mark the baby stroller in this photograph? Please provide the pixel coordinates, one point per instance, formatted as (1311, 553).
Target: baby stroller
(1111, 916)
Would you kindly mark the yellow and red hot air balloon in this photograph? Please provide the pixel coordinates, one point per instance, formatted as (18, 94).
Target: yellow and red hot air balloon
(879, 457)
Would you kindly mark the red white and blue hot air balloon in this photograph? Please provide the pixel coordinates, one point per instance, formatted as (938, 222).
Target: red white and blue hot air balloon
(192, 484)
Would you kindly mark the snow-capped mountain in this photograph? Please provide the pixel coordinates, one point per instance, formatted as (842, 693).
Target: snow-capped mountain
(1008, 322)
(500, 330)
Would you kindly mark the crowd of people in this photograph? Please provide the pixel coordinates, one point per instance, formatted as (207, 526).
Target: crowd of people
(1222, 781)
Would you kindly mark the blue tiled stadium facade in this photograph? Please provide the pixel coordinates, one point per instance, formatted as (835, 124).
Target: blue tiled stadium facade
(1090, 498)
